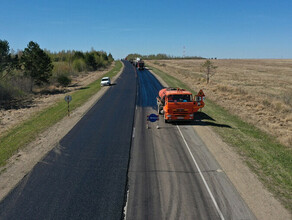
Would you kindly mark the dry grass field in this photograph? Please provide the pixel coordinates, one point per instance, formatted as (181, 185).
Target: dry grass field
(258, 91)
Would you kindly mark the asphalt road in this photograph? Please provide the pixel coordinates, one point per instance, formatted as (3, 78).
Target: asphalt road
(172, 175)
(85, 175)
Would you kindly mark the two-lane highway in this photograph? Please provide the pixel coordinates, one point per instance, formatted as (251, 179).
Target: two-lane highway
(85, 176)
(172, 175)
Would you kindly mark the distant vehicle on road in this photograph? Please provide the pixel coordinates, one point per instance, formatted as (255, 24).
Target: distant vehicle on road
(105, 81)
(140, 65)
(135, 61)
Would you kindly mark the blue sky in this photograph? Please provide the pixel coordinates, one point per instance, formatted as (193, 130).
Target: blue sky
(209, 28)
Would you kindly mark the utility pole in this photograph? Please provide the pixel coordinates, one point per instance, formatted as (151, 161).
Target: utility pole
(184, 51)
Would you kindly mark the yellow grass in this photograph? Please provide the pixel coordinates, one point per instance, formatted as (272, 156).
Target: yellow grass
(258, 91)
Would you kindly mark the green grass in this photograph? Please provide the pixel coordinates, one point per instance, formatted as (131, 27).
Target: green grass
(271, 161)
(26, 132)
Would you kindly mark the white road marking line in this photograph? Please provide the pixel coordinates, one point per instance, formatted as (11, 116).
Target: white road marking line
(206, 185)
(133, 136)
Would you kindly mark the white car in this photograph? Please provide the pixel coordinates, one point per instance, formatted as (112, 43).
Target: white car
(105, 81)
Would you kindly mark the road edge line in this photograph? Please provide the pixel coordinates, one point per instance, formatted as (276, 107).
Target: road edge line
(200, 172)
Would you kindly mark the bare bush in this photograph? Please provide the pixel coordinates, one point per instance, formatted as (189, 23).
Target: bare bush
(64, 80)
(22, 83)
(62, 68)
(79, 65)
(9, 92)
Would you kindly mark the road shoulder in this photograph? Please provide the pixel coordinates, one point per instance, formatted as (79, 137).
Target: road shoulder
(259, 200)
(22, 163)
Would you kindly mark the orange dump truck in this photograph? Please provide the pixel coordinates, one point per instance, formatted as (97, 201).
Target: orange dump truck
(178, 104)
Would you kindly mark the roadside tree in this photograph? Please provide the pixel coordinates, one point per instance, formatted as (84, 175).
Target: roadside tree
(8, 61)
(209, 69)
(90, 61)
(4, 55)
(37, 64)
(110, 58)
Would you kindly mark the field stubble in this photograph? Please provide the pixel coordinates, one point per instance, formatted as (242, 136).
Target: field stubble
(258, 91)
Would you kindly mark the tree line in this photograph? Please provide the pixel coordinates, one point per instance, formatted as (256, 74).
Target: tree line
(23, 70)
(81, 61)
(159, 56)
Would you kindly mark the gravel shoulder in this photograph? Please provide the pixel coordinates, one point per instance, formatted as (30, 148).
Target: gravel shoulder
(257, 197)
(21, 163)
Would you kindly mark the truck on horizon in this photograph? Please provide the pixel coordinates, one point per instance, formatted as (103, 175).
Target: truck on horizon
(139, 63)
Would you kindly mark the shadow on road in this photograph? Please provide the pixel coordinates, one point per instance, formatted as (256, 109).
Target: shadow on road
(199, 119)
(199, 116)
